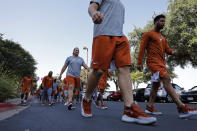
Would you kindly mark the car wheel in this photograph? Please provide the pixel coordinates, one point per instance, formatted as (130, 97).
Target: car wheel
(169, 99)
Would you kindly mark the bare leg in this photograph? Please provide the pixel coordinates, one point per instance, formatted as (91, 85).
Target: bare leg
(101, 96)
(92, 82)
(170, 91)
(125, 85)
(153, 93)
(70, 93)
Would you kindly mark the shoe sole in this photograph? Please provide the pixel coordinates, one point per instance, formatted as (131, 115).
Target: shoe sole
(191, 113)
(125, 118)
(153, 113)
(83, 113)
(70, 107)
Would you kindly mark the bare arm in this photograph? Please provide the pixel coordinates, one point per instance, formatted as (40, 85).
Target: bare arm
(86, 67)
(97, 16)
(62, 71)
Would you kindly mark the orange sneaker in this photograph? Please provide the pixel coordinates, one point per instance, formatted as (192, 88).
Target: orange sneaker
(185, 111)
(104, 107)
(86, 108)
(97, 104)
(135, 115)
(152, 110)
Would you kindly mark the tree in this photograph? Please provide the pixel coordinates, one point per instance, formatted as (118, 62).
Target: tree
(181, 31)
(15, 59)
(137, 78)
(114, 77)
(15, 63)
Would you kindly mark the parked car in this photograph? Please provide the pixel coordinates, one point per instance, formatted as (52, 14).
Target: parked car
(115, 96)
(106, 94)
(162, 95)
(190, 95)
(138, 94)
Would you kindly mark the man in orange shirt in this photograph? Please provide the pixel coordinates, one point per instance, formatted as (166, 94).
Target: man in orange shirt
(47, 82)
(156, 46)
(26, 86)
(101, 86)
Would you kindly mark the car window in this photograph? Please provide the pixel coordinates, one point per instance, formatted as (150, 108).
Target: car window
(149, 86)
(194, 88)
(177, 87)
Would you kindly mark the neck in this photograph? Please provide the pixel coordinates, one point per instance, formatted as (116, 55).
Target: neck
(157, 29)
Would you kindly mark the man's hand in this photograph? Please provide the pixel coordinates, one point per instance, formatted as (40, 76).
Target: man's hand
(60, 76)
(175, 53)
(97, 17)
(140, 67)
(88, 69)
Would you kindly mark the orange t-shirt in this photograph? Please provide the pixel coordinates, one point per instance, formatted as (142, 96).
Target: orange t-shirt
(156, 46)
(27, 82)
(47, 82)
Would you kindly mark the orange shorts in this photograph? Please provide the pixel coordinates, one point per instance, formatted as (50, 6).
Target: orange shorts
(54, 92)
(157, 68)
(108, 48)
(102, 85)
(73, 81)
(25, 90)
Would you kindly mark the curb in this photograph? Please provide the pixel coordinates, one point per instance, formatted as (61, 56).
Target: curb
(6, 106)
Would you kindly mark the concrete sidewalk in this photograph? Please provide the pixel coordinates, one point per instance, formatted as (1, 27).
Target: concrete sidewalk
(10, 108)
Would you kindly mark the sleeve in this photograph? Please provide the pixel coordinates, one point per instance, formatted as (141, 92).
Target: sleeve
(96, 1)
(143, 45)
(67, 61)
(168, 50)
(82, 61)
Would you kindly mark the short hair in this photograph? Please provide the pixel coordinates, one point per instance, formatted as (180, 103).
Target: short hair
(158, 17)
(75, 48)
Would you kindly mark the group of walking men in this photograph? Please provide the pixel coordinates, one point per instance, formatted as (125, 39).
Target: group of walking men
(109, 43)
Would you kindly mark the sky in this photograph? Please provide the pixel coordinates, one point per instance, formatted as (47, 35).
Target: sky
(50, 29)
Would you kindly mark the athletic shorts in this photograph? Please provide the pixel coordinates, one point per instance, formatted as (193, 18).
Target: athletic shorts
(25, 90)
(108, 48)
(73, 81)
(157, 72)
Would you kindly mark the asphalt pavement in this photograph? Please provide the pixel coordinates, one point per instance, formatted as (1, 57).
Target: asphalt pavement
(58, 118)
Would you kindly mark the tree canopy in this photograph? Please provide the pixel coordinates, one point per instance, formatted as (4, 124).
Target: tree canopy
(181, 31)
(15, 59)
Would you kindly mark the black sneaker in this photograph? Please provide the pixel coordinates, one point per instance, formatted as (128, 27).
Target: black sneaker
(70, 106)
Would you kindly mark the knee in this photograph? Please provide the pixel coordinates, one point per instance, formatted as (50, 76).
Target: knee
(166, 79)
(124, 69)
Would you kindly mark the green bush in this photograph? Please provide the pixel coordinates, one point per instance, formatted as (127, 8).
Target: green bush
(8, 87)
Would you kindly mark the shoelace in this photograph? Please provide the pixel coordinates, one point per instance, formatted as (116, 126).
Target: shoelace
(87, 106)
(137, 110)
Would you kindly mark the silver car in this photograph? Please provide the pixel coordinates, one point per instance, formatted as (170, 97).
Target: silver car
(162, 95)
